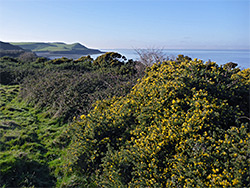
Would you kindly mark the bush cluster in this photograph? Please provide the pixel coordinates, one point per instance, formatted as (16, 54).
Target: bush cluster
(184, 124)
(67, 88)
(38, 99)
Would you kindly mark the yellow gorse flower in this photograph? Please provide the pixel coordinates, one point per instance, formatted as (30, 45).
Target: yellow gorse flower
(176, 128)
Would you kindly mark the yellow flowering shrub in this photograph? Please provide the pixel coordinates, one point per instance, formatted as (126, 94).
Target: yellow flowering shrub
(184, 124)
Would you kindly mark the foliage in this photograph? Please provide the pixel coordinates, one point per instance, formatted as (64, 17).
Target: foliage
(13, 71)
(33, 134)
(11, 53)
(68, 88)
(184, 124)
(59, 61)
(109, 59)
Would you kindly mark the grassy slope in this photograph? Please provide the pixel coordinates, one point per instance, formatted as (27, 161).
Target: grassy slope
(7, 49)
(8, 46)
(28, 139)
(50, 47)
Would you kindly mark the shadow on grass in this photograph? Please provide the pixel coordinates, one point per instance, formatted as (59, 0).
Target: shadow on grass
(20, 172)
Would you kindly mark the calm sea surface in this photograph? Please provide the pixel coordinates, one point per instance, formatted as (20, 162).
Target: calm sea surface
(241, 57)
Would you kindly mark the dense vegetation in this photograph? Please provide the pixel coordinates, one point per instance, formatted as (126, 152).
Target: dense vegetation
(39, 99)
(184, 123)
(29, 142)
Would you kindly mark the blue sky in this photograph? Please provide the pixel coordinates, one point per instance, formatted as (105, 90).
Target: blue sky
(108, 24)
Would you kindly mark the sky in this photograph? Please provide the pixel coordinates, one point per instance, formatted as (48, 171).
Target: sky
(125, 24)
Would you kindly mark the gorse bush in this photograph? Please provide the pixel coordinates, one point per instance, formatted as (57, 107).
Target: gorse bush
(68, 94)
(35, 112)
(110, 59)
(184, 124)
(68, 88)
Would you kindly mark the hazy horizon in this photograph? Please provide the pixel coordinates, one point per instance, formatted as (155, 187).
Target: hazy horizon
(149, 47)
(109, 24)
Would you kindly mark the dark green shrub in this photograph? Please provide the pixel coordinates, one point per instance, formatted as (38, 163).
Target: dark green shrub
(8, 59)
(69, 88)
(184, 124)
(53, 92)
(109, 59)
(59, 61)
(41, 60)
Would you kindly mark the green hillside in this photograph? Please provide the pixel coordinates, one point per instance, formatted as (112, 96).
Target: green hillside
(56, 47)
(8, 46)
(7, 49)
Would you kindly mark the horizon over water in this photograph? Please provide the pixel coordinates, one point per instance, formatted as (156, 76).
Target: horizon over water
(241, 57)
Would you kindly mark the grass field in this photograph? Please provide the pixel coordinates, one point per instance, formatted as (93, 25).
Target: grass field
(28, 141)
(50, 47)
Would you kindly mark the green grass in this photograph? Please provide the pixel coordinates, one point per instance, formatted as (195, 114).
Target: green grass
(30, 142)
(49, 47)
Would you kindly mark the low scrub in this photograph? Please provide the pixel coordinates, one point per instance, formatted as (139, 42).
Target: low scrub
(68, 88)
(37, 99)
(184, 124)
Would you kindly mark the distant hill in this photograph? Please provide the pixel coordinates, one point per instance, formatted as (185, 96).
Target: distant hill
(56, 48)
(7, 49)
(8, 46)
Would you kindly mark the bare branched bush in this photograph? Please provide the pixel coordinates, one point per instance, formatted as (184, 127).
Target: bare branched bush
(151, 55)
(27, 57)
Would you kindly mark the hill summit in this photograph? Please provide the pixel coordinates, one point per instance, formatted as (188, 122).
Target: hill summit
(7, 49)
(8, 46)
(57, 48)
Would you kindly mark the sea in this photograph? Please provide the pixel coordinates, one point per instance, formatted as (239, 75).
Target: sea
(221, 57)
(241, 57)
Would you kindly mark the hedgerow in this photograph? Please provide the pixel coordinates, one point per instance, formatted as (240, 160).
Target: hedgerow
(184, 124)
(68, 88)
